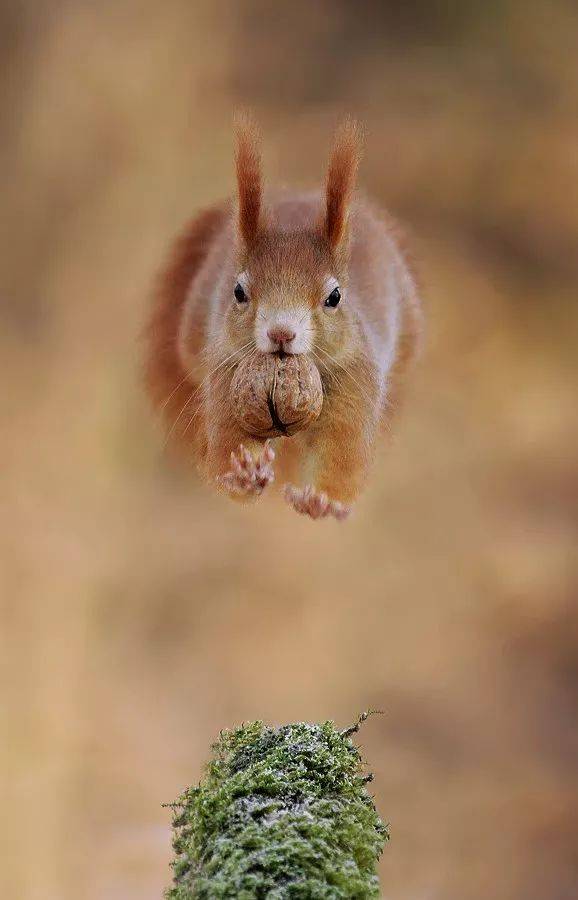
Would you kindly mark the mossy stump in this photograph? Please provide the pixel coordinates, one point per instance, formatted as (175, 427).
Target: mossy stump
(280, 813)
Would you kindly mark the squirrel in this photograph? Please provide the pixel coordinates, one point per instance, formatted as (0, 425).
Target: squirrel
(318, 273)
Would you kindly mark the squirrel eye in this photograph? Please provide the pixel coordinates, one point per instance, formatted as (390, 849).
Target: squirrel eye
(240, 295)
(334, 298)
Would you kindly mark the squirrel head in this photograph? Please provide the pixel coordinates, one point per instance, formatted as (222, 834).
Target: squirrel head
(290, 293)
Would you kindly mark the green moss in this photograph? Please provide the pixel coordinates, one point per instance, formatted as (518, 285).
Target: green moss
(280, 813)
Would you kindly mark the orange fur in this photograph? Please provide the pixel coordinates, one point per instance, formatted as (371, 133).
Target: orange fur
(341, 175)
(248, 165)
(168, 381)
(198, 332)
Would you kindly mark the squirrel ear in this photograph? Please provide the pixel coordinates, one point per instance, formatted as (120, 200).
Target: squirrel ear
(248, 164)
(341, 174)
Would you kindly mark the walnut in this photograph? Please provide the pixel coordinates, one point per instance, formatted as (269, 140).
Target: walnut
(276, 395)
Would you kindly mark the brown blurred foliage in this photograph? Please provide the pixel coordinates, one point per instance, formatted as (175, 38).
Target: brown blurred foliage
(141, 614)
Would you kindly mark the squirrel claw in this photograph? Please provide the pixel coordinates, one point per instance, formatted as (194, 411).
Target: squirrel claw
(249, 476)
(315, 504)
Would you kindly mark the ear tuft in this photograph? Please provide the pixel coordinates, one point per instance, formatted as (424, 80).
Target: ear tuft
(248, 164)
(341, 176)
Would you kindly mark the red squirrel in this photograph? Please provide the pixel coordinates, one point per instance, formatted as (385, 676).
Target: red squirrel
(317, 273)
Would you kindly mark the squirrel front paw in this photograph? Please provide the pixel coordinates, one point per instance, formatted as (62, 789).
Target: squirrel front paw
(249, 475)
(315, 504)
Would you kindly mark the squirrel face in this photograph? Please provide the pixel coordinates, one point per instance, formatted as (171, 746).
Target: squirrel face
(289, 298)
(290, 293)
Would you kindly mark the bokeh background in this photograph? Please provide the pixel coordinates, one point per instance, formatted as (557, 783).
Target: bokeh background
(141, 613)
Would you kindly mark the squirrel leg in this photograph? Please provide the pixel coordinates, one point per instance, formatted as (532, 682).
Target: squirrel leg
(229, 458)
(249, 473)
(313, 503)
(340, 448)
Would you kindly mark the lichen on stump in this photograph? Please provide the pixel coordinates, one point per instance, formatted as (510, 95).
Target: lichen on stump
(280, 813)
(276, 395)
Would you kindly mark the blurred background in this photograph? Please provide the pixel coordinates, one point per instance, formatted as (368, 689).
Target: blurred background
(141, 613)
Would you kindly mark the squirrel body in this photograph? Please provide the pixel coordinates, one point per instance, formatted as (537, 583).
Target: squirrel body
(315, 273)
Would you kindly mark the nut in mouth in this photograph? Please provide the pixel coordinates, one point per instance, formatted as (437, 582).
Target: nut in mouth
(277, 394)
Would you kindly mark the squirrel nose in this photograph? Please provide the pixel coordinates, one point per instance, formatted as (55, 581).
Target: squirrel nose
(281, 334)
